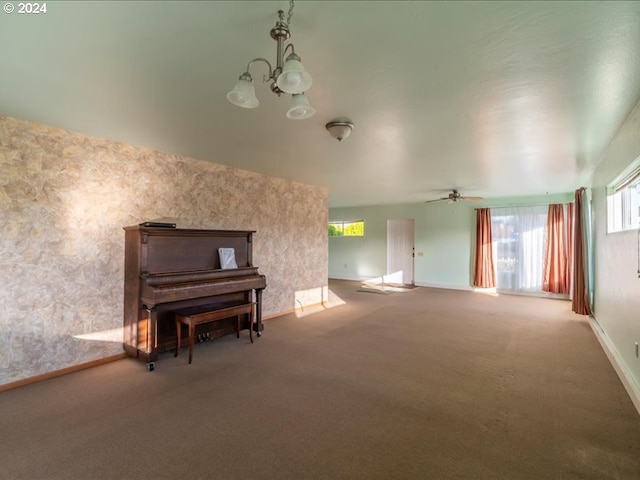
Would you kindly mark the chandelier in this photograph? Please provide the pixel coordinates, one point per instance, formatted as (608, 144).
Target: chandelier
(287, 77)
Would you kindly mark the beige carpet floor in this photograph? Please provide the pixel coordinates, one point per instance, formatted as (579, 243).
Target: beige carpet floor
(419, 384)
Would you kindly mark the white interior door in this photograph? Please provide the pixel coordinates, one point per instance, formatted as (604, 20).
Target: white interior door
(400, 251)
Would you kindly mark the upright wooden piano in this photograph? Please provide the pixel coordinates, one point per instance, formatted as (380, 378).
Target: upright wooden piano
(167, 269)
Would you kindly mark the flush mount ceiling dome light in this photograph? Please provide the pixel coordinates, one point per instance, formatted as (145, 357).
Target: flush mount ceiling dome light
(339, 129)
(287, 77)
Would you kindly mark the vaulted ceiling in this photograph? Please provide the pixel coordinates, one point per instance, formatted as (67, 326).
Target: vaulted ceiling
(494, 98)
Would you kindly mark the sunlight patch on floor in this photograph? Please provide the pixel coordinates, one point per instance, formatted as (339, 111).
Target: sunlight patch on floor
(487, 291)
(316, 300)
(385, 284)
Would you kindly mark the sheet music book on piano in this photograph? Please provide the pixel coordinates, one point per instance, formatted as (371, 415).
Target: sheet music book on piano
(227, 258)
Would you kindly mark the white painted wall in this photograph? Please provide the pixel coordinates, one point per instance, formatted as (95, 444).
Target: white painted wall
(617, 286)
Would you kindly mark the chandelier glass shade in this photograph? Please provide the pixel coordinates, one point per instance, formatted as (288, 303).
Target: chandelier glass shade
(287, 77)
(244, 93)
(294, 78)
(300, 108)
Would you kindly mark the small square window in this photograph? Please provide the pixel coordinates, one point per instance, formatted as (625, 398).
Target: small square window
(346, 228)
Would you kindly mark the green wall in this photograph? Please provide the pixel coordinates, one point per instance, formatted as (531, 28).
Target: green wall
(444, 235)
(617, 284)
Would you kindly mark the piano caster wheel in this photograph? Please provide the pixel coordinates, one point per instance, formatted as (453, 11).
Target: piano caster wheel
(151, 366)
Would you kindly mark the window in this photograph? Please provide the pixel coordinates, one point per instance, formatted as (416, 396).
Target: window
(519, 244)
(346, 228)
(623, 201)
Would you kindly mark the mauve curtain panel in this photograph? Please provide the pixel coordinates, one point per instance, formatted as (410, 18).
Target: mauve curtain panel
(555, 263)
(580, 302)
(484, 275)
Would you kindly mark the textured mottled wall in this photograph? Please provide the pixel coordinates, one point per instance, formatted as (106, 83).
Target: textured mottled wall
(64, 198)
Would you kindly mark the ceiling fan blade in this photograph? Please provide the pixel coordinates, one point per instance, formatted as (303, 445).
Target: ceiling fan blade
(473, 199)
(437, 200)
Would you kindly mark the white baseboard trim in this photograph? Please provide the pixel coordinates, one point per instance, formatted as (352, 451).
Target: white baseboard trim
(356, 278)
(618, 364)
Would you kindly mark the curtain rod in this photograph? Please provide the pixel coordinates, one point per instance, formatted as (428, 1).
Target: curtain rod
(526, 205)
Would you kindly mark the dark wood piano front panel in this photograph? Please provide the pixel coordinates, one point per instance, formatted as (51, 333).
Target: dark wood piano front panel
(181, 250)
(170, 269)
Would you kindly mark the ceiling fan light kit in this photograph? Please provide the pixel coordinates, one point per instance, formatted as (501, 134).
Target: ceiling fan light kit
(288, 76)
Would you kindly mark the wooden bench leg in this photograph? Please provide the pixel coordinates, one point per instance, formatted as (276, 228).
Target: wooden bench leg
(178, 332)
(192, 334)
(251, 324)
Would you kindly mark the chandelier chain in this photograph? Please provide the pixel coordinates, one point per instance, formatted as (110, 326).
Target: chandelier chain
(290, 14)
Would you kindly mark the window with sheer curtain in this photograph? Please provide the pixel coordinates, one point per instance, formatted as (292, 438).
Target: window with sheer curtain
(533, 248)
(519, 235)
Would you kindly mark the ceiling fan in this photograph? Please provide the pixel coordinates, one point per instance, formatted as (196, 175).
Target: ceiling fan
(454, 196)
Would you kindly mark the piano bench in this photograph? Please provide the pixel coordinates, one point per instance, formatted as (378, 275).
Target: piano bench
(196, 315)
